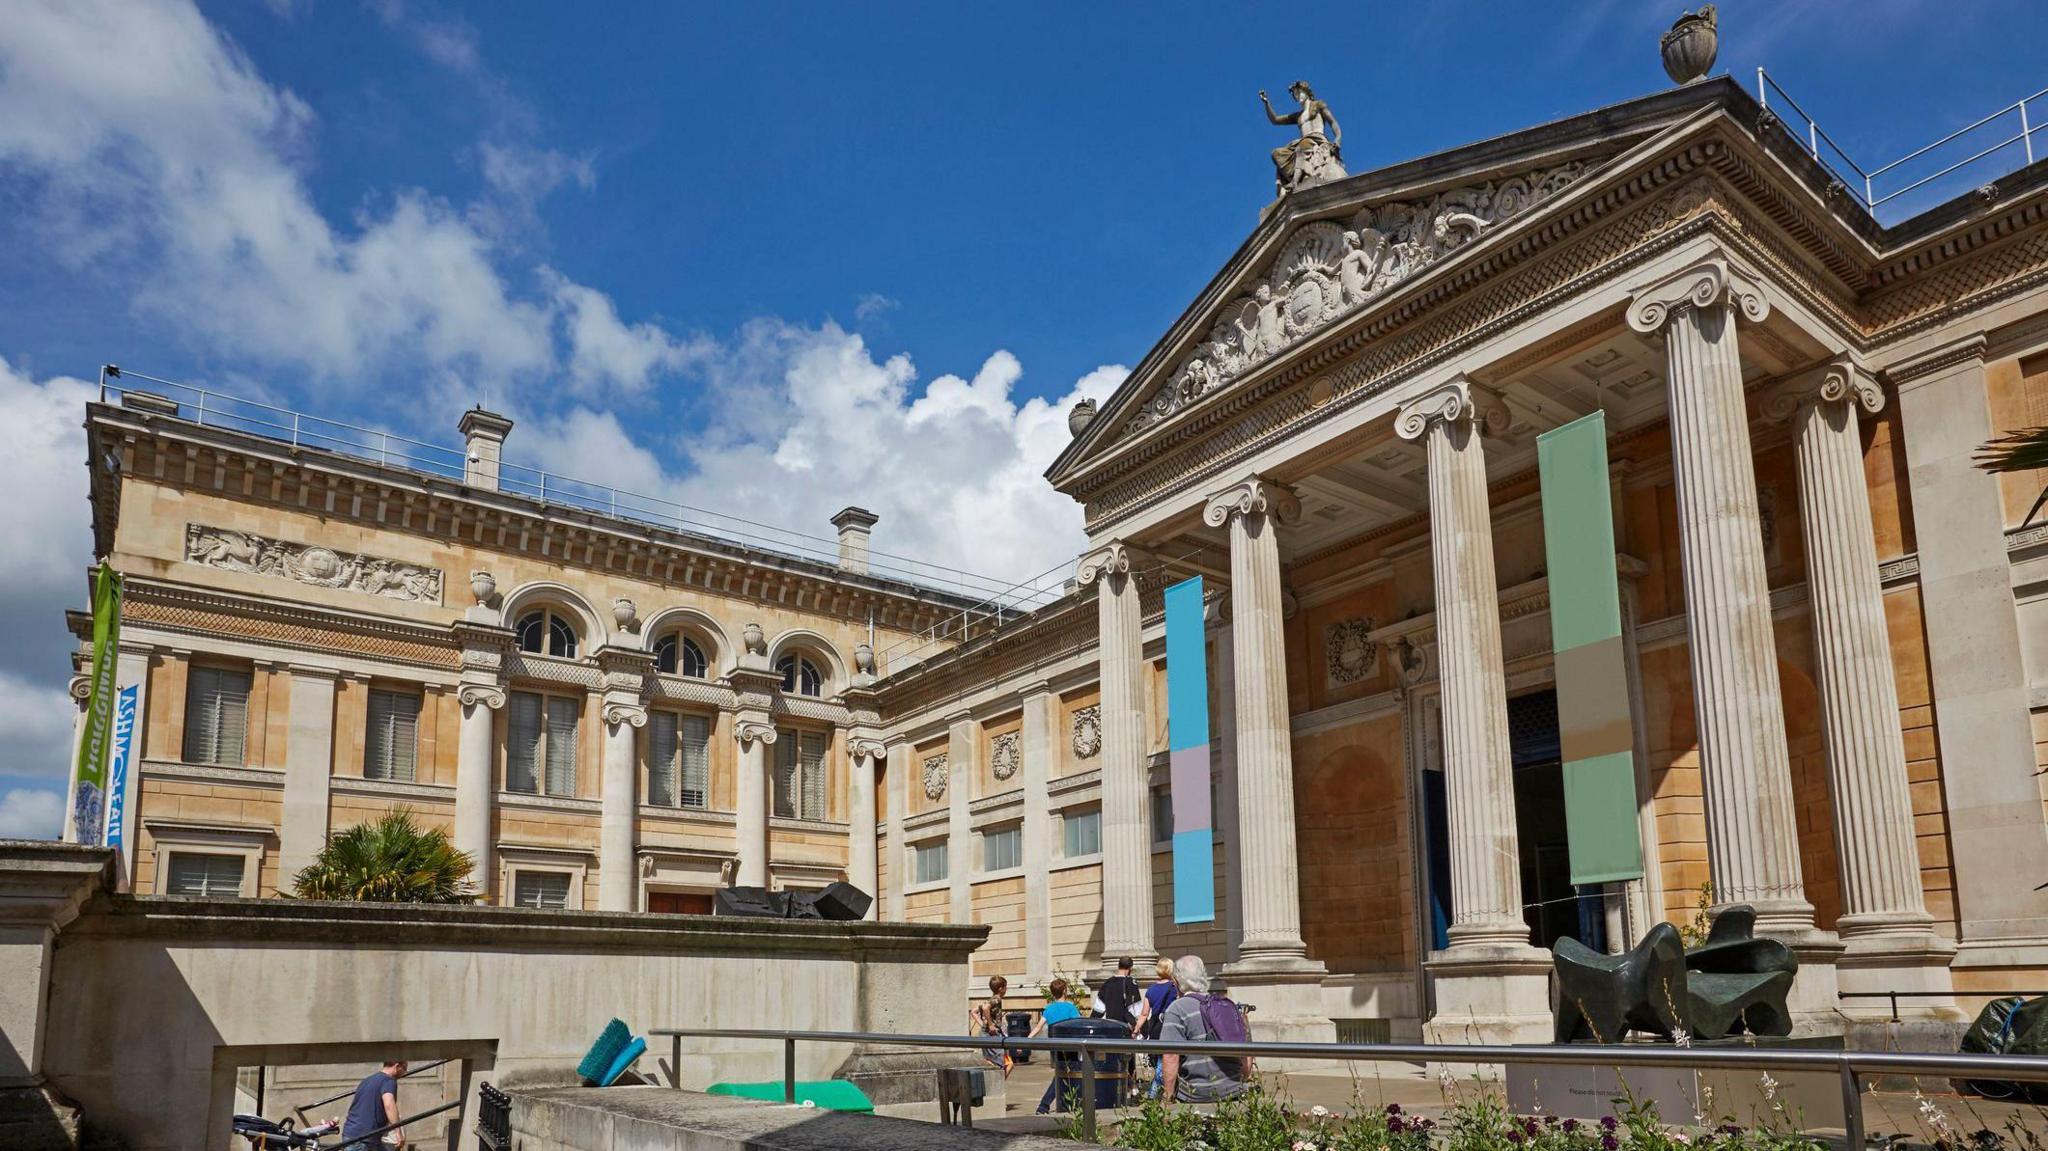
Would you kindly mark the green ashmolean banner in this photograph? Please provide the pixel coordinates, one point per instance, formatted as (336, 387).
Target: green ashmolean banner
(89, 773)
(1594, 724)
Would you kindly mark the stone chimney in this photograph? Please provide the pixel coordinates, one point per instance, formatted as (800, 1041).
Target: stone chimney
(853, 525)
(483, 442)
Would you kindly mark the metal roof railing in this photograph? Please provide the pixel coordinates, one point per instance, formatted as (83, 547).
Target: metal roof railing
(1864, 184)
(1848, 1067)
(986, 597)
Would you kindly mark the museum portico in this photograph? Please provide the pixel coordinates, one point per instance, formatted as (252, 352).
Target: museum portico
(1832, 683)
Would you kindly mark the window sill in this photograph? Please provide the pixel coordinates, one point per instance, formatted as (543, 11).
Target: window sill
(935, 885)
(547, 802)
(363, 785)
(265, 777)
(999, 873)
(686, 814)
(1076, 861)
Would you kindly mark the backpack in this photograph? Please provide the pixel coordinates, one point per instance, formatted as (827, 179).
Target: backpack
(1225, 1024)
(1118, 997)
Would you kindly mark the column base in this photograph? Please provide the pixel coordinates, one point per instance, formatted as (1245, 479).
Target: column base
(1287, 1007)
(1815, 1002)
(1906, 959)
(1490, 993)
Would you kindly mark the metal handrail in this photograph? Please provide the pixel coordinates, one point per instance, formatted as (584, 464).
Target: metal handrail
(1765, 85)
(996, 594)
(409, 1073)
(1848, 1066)
(1895, 996)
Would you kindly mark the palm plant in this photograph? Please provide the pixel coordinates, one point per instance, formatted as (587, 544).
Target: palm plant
(393, 860)
(2018, 452)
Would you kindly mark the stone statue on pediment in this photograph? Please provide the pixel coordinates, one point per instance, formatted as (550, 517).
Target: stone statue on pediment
(1315, 157)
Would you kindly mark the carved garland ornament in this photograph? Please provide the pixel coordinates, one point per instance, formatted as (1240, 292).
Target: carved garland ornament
(1327, 270)
(935, 771)
(1087, 731)
(1350, 655)
(311, 564)
(1006, 754)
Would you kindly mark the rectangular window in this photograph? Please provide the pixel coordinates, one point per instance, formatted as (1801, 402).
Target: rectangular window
(1002, 848)
(678, 760)
(540, 753)
(547, 890)
(216, 716)
(1081, 833)
(1162, 815)
(391, 747)
(800, 774)
(197, 873)
(928, 861)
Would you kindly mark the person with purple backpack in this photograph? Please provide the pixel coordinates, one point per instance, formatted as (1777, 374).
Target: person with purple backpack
(1198, 1015)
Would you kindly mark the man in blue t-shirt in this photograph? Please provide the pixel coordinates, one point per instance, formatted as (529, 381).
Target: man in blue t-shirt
(375, 1105)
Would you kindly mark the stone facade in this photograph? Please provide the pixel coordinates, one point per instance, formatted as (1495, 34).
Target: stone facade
(1833, 622)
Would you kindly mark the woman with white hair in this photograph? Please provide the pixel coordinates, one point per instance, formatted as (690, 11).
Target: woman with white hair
(1201, 1078)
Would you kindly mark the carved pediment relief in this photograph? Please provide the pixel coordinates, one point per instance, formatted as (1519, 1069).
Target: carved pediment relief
(1328, 269)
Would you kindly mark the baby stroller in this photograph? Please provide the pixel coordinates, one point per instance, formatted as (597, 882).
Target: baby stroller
(263, 1133)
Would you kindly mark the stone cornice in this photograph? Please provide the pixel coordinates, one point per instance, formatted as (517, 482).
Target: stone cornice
(1963, 351)
(175, 607)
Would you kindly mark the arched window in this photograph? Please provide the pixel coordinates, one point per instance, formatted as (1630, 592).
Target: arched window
(546, 632)
(799, 675)
(678, 654)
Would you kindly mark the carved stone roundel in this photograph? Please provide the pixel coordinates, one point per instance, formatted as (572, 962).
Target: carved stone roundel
(935, 771)
(1006, 754)
(1351, 653)
(1088, 731)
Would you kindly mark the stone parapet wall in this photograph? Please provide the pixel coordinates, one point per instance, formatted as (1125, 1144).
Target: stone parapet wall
(627, 1119)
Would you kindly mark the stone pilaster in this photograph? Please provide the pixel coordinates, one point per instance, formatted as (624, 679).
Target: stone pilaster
(1040, 746)
(1253, 510)
(899, 852)
(963, 758)
(866, 752)
(750, 795)
(1752, 823)
(1491, 986)
(1224, 726)
(480, 694)
(1976, 665)
(1126, 782)
(1887, 932)
(308, 764)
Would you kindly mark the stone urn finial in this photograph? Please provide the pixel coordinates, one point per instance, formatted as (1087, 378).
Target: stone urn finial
(1691, 45)
(1080, 416)
(483, 585)
(624, 613)
(755, 639)
(864, 659)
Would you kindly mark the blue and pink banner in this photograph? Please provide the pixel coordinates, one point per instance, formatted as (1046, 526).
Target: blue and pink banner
(1187, 740)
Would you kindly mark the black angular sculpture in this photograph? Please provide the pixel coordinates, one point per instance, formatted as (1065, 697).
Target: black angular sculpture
(1736, 982)
(754, 902)
(838, 902)
(1602, 997)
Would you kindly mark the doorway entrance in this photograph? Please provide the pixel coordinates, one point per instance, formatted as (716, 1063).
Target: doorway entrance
(1551, 904)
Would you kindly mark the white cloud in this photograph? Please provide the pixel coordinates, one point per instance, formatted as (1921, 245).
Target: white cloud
(604, 350)
(809, 421)
(45, 469)
(30, 814)
(527, 174)
(37, 718)
(872, 306)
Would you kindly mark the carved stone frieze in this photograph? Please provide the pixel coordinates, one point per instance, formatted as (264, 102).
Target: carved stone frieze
(1087, 734)
(1326, 270)
(1350, 655)
(934, 774)
(311, 564)
(1006, 754)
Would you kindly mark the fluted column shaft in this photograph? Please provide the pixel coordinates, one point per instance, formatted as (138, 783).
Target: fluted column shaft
(1126, 846)
(1752, 827)
(860, 864)
(751, 797)
(1270, 873)
(619, 802)
(1874, 840)
(1479, 781)
(476, 779)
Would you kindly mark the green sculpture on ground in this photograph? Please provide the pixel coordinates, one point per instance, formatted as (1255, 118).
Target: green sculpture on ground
(1730, 984)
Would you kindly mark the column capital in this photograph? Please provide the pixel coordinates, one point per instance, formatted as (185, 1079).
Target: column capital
(80, 688)
(1252, 495)
(1036, 687)
(753, 731)
(1113, 558)
(1710, 282)
(489, 694)
(864, 748)
(1450, 402)
(1838, 379)
(616, 713)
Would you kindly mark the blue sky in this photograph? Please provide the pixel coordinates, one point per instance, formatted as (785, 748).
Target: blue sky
(777, 257)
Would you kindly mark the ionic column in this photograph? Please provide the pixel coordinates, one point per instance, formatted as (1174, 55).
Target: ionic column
(1884, 920)
(616, 874)
(750, 795)
(1126, 852)
(80, 691)
(476, 771)
(1752, 827)
(1041, 724)
(1479, 779)
(1270, 874)
(865, 752)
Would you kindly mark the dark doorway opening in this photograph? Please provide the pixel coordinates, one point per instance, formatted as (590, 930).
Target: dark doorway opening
(1551, 904)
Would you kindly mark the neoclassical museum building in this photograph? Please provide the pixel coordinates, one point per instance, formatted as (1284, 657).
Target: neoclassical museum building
(1834, 623)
